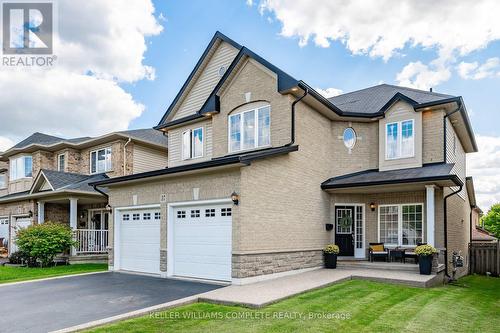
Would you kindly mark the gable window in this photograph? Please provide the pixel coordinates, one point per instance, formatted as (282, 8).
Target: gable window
(399, 139)
(100, 160)
(3, 180)
(192, 143)
(21, 167)
(61, 162)
(401, 225)
(250, 129)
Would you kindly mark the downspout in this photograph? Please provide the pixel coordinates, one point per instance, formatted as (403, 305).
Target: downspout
(446, 230)
(125, 155)
(100, 191)
(292, 134)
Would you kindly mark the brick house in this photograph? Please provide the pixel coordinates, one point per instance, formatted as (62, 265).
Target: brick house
(260, 166)
(46, 178)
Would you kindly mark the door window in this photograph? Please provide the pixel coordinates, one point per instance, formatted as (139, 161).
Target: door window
(344, 221)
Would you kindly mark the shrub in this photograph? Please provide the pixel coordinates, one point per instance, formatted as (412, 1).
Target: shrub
(425, 250)
(18, 258)
(43, 242)
(331, 249)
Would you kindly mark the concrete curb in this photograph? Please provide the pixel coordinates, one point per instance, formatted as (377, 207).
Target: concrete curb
(49, 278)
(130, 315)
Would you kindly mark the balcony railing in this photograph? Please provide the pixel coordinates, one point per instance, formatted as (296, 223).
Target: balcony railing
(91, 241)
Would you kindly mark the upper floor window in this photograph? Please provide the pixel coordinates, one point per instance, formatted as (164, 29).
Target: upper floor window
(100, 160)
(61, 162)
(192, 143)
(250, 129)
(3, 180)
(400, 137)
(21, 167)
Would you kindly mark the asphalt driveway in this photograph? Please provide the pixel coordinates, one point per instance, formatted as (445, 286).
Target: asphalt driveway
(43, 306)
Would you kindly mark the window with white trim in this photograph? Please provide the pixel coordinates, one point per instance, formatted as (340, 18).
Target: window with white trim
(400, 139)
(401, 225)
(3, 180)
(100, 160)
(225, 212)
(21, 167)
(192, 143)
(146, 216)
(250, 129)
(136, 217)
(61, 162)
(126, 217)
(195, 213)
(157, 216)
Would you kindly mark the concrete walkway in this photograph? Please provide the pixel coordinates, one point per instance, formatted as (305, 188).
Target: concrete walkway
(263, 293)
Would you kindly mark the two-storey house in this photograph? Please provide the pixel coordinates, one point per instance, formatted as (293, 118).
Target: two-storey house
(263, 172)
(46, 178)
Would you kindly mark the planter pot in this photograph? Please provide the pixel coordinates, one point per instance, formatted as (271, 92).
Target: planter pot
(425, 264)
(330, 260)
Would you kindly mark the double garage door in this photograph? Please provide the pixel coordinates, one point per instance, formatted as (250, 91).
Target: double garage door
(201, 241)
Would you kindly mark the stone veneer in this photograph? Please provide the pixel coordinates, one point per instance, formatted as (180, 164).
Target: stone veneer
(248, 265)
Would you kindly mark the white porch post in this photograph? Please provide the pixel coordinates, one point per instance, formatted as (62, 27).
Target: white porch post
(430, 214)
(73, 218)
(41, 212)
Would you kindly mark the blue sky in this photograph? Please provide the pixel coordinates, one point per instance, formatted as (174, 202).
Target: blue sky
(189, 26)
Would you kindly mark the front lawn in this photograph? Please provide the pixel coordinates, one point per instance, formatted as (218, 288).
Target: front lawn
(15, 274)
(472, 305)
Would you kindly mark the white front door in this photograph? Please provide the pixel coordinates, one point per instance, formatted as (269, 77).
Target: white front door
(140, 240)
(202, 241)
(4, 230)
(19, 223)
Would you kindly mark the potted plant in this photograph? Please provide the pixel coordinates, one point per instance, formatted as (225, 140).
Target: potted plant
(425, 254)
(330, 255)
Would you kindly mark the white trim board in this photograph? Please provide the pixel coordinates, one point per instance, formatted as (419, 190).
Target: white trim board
(358, 253)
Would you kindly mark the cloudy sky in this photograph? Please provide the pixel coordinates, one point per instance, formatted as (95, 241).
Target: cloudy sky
(120, 63)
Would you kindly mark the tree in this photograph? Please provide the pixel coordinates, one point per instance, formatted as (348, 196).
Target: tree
(491, 220)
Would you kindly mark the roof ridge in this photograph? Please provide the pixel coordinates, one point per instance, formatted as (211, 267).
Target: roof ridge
(417, 90)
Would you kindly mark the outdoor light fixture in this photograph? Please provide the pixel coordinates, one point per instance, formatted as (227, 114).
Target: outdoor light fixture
(372, 206)
(235, 198)
(30, 213)
(109, 208)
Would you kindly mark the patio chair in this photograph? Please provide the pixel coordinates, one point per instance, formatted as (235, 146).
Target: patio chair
(377, 250)
(410, 253)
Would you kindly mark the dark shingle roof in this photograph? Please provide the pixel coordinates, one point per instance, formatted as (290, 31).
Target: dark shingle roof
(38, 138)
(72, 181)
(147, 134)
(373, 99)
(429, 172)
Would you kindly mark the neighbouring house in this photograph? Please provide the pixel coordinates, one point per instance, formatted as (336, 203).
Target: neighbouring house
(477, 232)
(260, 165)
(46, 178)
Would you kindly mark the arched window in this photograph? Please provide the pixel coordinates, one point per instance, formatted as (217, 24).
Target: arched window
(250, 129)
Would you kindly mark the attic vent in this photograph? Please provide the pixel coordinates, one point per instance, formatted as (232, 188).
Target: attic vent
(222, 70)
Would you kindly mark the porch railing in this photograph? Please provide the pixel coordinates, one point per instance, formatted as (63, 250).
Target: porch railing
(91, 241)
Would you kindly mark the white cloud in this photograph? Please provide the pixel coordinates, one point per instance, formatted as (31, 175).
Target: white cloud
(421, 76)
(329, 92)
(385, 28)
(5, 143)
(99, 45)
(474, 71)
(484, 167)
(249, 3)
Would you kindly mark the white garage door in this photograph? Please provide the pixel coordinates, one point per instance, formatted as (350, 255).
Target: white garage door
(19, 223)
(140, 241)
(202, 241)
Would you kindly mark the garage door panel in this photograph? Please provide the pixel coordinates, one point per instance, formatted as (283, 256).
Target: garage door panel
(202, 241)
(140, 241)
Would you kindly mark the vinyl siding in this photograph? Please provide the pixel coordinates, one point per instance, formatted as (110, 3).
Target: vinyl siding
(148, 159)
(455, 153)
(207, 81)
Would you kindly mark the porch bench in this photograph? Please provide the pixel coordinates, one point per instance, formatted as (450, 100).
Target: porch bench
(377, 250)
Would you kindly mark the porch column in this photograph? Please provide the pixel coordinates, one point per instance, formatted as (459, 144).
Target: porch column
(73, 218)
(430, 214)
(41, 212)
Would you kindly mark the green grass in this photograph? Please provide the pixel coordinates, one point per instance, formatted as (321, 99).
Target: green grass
(15, 274)
(471, 305)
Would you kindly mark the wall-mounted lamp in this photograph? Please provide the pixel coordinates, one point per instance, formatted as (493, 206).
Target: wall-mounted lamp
(235, 198)
(109, 208)
(30, 213)
(83, 214)
(372, 206)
